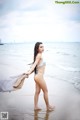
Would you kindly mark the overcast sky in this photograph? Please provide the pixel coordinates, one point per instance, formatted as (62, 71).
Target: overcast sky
(39, 20)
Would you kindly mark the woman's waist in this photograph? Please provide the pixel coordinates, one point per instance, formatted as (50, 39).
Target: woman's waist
(40, 71)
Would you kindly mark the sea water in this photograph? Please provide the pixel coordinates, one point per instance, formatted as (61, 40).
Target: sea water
(62, 60)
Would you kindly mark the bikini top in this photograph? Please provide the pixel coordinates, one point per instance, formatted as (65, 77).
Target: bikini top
(42, 63)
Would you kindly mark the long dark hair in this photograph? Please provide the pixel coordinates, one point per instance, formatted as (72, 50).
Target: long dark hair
(36, 51)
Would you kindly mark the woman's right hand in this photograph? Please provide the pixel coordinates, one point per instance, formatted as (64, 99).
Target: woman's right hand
(26, 75)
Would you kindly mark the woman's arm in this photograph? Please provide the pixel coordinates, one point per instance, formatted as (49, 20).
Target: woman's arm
(38, 57)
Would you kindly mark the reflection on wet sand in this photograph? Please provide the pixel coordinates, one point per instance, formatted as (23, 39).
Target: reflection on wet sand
(38, 115)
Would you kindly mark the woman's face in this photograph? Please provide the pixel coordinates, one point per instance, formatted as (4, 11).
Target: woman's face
(41, 48)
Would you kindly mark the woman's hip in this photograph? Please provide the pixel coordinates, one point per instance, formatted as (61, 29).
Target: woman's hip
(38, 76)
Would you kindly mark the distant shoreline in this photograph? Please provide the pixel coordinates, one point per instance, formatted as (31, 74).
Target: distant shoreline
(34, 42)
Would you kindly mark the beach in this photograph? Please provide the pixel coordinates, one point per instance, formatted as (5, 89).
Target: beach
(62, 76)
(20, 104)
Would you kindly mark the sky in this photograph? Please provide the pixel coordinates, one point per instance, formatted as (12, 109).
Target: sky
(39, 20)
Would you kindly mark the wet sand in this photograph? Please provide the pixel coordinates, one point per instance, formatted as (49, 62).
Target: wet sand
(20, 104)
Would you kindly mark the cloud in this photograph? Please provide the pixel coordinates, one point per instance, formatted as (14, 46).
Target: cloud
(39, 20)
(7, 6)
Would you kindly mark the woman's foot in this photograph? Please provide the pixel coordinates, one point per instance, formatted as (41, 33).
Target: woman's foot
(50, 108)
(37, 109)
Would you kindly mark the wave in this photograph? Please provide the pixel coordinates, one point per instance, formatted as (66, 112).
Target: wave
(72, 69)
(76, 83)
(65, 67)
(66, 54)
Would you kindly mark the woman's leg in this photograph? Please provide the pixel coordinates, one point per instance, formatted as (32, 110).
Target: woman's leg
(41, 82)
(36, 96)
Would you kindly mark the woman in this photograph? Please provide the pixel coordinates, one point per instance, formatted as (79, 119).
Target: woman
(38, 67)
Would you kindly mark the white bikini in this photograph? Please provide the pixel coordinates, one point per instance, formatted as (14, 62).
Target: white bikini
(42, 63)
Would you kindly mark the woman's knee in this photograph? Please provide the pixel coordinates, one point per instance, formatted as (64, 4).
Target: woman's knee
(45, 90)
(37, 92)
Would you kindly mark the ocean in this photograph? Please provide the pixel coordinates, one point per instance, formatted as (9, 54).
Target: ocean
(62, 60)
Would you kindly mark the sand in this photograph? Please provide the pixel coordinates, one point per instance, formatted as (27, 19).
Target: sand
(20, 104)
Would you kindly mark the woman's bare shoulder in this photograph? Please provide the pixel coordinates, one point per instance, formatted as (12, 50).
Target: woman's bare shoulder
(39, 55)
